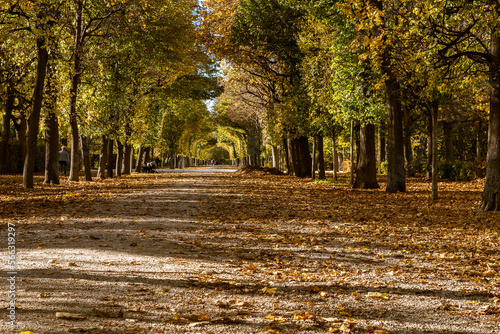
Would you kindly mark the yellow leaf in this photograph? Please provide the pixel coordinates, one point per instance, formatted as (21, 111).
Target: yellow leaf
(378, 295)
(270, 291)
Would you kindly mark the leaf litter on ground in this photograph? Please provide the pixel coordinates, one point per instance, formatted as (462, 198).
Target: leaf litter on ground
(253, 252)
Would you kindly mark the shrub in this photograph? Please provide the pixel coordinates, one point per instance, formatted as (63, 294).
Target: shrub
(384, 166)
(458, 171)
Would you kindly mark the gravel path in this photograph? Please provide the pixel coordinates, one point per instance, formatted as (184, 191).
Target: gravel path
(184, 256)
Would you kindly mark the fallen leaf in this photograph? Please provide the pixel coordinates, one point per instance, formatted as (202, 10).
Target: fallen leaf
(270, 291)
(69, 316)
(378, 295)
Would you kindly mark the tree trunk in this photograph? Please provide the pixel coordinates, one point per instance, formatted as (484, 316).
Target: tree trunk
(448, 141)
(313, 160)
(430, 144)
(22, 133)
(147, 155)
(34, 124)
(119, 158)
(139, 162)
(366, 171)
(74, 174)
(395, 145)
(435, 107)
(127, 159)
(299, 157)
(286, 160)
(321, 158)
(479, 153)
(103, 158)
(351, 155)
(4, 141)
(491, 193)
(86, 158)
(51, 130)
(276, 156)
(110, 159)
(381, 148)
(410, 171)
(335, 155)
(51, 149)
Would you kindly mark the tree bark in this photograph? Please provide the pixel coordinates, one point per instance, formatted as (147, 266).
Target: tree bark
(4, 142)
(34, 124)
(110, 160)
(448, 141)
(299, 157)
(119, 157)
(51, 149)
(335, 155)
(435, 107)
(139, 162)
(351, 155)
(86, 158)
(410, 171)
(313, 159)
(147, 155)
(103, 158)
(395, 146)
(366, 171)
(286, 160)
(430, 144)
(479, 132)
(276, 156)
(321, 158)
(381, 148)
(491, 192)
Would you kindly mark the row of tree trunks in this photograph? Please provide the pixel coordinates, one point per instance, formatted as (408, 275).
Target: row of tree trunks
(4, 141)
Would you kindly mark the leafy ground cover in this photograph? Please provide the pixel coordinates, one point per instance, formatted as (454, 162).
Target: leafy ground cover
(249, 253)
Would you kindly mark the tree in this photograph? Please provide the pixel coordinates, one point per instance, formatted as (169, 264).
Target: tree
(87, 23)
(44, 20)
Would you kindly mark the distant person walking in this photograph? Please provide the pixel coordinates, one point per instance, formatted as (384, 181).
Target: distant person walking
(213, 162)
(63, 160)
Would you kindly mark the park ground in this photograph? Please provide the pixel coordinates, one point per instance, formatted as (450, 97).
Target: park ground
(248, 253)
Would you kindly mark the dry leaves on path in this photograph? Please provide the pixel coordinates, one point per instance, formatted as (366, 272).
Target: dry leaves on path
(248, 253)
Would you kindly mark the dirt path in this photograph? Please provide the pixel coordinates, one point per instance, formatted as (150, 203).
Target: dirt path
(217, 253)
